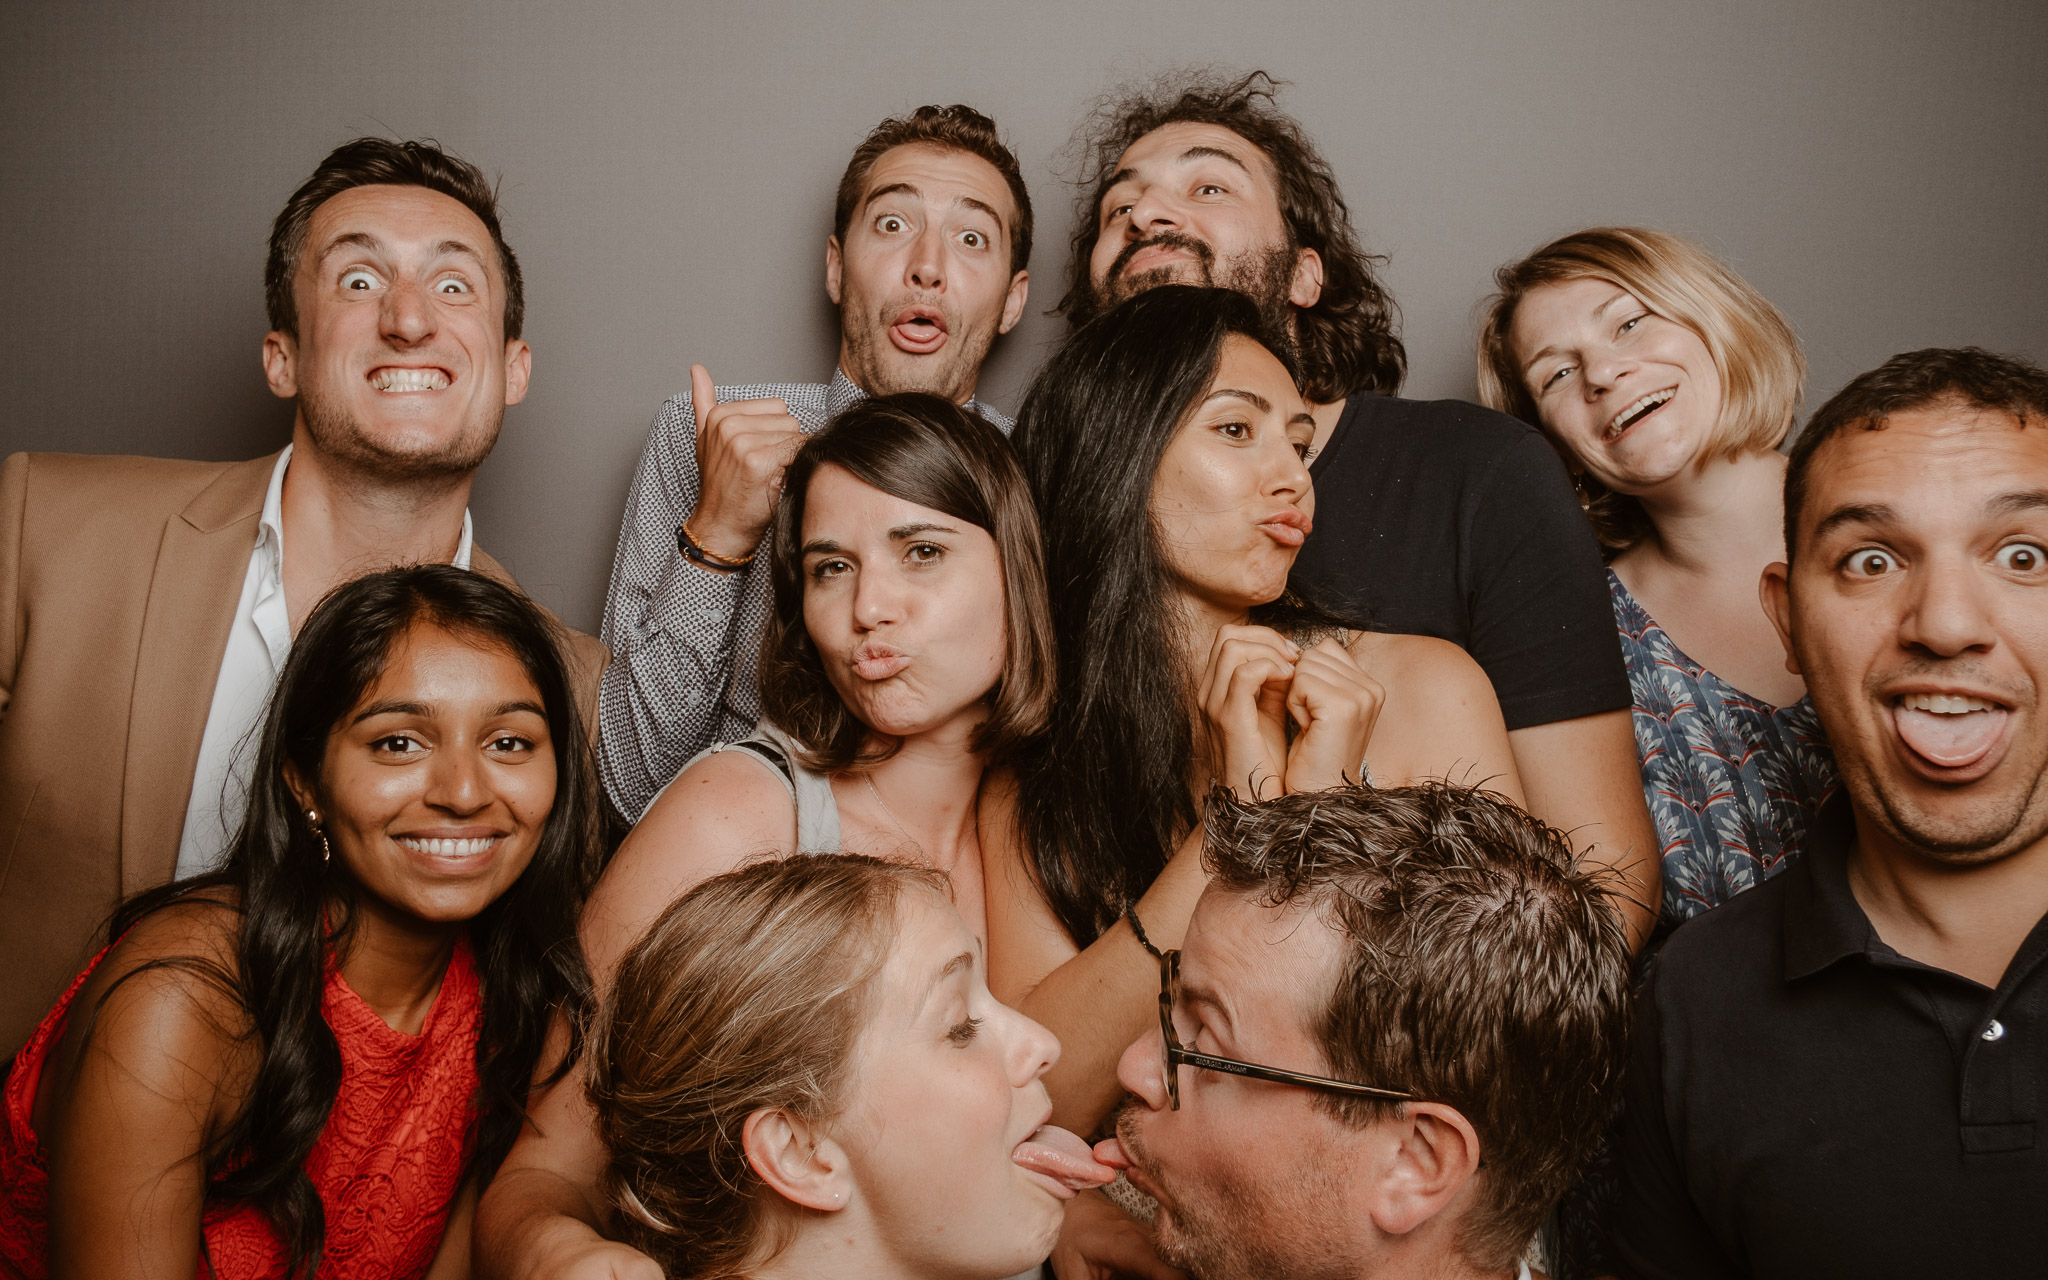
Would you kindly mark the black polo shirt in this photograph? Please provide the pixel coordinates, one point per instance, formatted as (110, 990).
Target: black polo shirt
(1805, 1101)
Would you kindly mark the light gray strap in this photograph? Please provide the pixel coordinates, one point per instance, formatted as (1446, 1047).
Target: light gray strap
(817, 812)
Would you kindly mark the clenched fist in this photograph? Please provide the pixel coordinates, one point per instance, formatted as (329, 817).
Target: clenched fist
(742, 448)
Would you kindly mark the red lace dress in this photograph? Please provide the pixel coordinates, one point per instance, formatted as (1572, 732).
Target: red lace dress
(386, 1165)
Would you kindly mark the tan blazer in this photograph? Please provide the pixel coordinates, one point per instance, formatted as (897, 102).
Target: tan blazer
(118, 583)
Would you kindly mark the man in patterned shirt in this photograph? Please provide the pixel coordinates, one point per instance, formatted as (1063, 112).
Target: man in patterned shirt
(926, 263)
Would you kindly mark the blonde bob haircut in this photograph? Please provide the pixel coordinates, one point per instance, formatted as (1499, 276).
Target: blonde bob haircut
(1754, 349)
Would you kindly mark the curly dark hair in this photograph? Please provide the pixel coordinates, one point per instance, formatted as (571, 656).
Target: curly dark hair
(1969, 376)
(1347, 341)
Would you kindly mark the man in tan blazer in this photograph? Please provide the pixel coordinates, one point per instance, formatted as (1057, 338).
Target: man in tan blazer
(146, 604)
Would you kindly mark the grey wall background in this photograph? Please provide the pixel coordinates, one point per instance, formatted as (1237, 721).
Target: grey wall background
(1879, 170)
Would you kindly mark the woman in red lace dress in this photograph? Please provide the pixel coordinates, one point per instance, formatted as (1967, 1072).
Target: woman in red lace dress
(308, 1060)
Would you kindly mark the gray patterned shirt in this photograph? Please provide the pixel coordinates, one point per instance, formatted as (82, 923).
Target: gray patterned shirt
(685, 640)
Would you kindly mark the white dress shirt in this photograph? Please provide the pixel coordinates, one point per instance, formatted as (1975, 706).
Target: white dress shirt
(258, 641)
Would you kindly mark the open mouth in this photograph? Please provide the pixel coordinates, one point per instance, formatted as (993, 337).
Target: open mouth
(918, 330)
(1060, 1162)
(1638, 411)
(451, 850)
(401, 379)
(1950, 732)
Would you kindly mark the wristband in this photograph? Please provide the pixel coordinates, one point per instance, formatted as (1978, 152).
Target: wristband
(1131, 916)
(686, 542)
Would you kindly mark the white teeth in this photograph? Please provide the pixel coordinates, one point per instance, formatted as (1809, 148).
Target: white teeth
(1945, 704)
(390, 378)
(448, 848)
(1654, 398)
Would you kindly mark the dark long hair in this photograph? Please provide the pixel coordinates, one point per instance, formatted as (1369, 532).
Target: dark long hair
(1347, 341)
(927, 450)
(294, 904)
(1103, 797)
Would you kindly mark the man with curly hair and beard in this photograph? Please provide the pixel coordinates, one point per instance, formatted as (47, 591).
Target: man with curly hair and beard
(1432, 517)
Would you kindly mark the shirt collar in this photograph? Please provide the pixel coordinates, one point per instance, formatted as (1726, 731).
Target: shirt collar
(1823, 922)
(841, 394)
(270, 526)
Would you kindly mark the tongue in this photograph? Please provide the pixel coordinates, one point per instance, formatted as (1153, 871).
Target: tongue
(1951, 741)
(1064, 1158)
(917, 337)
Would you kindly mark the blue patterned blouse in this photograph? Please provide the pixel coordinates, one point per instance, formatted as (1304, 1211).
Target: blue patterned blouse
(1733, 783)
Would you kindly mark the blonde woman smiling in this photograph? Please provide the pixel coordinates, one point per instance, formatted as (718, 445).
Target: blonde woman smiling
(1668, 384)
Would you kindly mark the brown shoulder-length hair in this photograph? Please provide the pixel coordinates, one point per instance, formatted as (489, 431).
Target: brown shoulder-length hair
(749, 992)
(927, 450)
(1347, 341)
(1754, 348)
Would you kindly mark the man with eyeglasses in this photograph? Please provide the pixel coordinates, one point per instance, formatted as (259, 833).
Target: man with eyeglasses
(1387, 1046)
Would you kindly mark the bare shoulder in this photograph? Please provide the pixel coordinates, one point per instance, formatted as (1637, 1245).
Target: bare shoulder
(723, 811)
(1418, 660)
(162, 1006)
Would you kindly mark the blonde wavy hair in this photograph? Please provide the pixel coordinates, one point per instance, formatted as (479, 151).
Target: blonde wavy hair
(1763, 370)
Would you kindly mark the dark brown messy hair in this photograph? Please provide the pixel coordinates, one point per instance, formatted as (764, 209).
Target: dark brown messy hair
(1481, 968)
(927, 450)
(956, 128)
(1346, 342)
(749, 992)
(1967, 376)
(369, 162)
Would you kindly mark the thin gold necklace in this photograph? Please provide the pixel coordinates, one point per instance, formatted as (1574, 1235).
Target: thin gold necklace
(869, 778)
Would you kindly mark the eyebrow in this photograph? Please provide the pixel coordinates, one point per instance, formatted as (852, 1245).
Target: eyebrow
(962, 963)
(821, 546)
(1551, 349)
(1192, 153)
(364, 240)
(518, 704)
(1196, 994)
(896, 188)
(1253, 398)
(1856, 513)
(903, 531)
(2013, 504)
(392, 707)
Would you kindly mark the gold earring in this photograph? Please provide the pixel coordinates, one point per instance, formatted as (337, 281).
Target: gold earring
(326, 850)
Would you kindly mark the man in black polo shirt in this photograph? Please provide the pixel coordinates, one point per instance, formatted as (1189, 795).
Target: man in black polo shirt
(1840, 1073)
(1433, 517)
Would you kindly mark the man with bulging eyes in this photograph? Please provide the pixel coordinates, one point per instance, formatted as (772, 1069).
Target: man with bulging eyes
(1842, 1072)
(146, 605)
(1385, 1047)
(1435, 518)
(926, 263)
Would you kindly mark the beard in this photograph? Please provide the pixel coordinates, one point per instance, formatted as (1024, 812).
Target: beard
(1266, 276)
(949, 373)
(1228, 1229)
(344, 440)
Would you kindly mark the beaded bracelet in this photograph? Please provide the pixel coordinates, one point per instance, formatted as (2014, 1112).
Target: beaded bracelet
(686, 542)
(1131, 916)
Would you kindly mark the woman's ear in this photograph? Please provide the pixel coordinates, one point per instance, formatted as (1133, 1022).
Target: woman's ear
(302, 790)
(796, 1161)
(1436, 1155)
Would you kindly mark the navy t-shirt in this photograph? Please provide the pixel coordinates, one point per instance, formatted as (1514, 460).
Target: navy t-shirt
(1440, 518)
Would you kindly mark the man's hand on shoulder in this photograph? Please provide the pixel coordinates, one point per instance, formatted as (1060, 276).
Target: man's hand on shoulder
(1099, 1241)
(742, 448)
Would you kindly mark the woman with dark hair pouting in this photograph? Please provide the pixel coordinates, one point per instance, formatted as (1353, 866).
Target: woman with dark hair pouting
(909, 649)
(1165, 443)
(313, 1057)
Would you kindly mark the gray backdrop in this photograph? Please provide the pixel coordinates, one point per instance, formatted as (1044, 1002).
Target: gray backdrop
(1877, 169)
